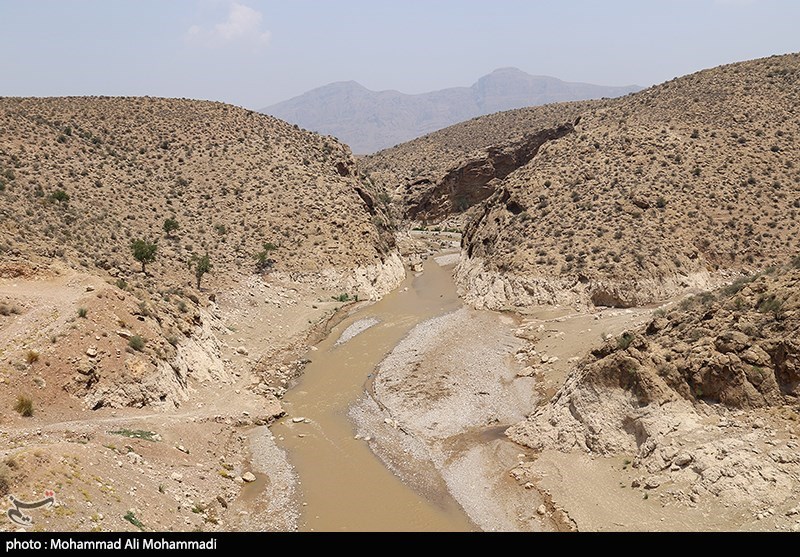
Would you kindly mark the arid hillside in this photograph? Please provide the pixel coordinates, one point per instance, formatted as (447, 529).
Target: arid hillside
(620, 202)
(83, 177)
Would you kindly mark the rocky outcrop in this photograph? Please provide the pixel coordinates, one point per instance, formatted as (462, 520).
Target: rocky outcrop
(491, 289)
(146, 381)
(720, 359)
(370, 282)
(651, 194)
(431, 199)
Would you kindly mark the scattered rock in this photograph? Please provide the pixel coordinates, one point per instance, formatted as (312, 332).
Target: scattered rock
(542, 510)
(526, 372)
(134, 458)
(91, 351)
(175, 476)
(248, 477)
(652, 482)
(683, 459)
(242, 350)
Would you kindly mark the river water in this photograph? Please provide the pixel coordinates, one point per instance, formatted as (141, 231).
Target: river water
(343, 485)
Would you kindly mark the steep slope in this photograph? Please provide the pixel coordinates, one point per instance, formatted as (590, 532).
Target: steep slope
(231, 178)
(663, 190)
(369, 121)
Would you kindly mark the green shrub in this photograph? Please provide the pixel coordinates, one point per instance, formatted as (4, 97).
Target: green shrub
(737, 285)
(170, 226)
(130, 517)
(31, 356)
(770, 304)
(82, 313)
(144, 252)
(136, 434)
(624, 341)
(263, 260)
(24, 406)
(136, 343)
(60, 196)
(202, 265)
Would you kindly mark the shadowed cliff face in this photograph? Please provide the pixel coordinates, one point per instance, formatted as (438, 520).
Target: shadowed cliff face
(476, 179)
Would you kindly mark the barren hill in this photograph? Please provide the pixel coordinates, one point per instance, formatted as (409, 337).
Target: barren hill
(619, 202)
(372, 120)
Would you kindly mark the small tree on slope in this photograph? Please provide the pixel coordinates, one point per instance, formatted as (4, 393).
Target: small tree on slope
(202, 265)
(144, 252)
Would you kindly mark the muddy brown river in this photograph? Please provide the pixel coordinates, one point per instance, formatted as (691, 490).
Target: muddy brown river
(343, 485)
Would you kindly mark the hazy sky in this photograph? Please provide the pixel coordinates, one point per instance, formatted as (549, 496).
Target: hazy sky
(257, 52)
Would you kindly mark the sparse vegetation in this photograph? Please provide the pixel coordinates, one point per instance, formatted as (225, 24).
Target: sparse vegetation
(144, 252)
(130, 517)
(31, 357)
(82, 313)
(201, 265)
(625, 340)
(170, 226)
(770, 304)
(5, 480)
(24, 406)
(263, 260)
(60, 196)
(136, 343)
(151, 436)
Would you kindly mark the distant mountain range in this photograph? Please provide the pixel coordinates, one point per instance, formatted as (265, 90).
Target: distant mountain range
(369, 121)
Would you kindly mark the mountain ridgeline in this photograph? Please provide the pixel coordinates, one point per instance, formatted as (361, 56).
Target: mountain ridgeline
(369, 121)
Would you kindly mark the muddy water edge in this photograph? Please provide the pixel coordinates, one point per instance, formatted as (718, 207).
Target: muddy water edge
(343, 485)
